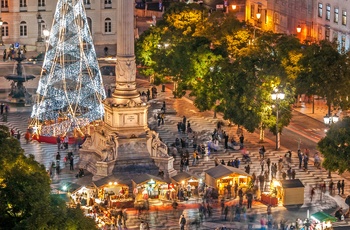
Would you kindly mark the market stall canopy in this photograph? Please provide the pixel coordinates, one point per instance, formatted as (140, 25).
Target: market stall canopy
(296, 183)
(143, 178)
(323, 217)
(223, 170)
(106, 180)
(62, 196)
(183, 176)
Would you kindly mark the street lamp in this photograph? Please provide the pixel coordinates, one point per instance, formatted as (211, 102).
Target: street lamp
(39, 18)
(258, 16)
(1, 42)
(298, 29)
(329, 120)
(277, 97)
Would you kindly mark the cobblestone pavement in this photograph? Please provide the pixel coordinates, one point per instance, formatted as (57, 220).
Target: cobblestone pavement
(204, 124)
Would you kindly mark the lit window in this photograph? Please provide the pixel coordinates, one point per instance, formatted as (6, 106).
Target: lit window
(108, 25)
(5, 29)
(23, 29)
(320, 8)
(336, 15)
(343, 20)
(328, 12)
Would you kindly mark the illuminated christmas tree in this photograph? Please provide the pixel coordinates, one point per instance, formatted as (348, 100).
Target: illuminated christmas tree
(70, 91)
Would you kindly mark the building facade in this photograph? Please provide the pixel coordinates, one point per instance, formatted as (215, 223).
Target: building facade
(23, 21)
(315, 19)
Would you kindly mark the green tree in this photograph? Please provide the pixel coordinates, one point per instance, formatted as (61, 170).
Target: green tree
(25, 200)
(335, 147)
(324, 73)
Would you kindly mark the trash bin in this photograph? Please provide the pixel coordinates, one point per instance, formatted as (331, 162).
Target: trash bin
(163, 88)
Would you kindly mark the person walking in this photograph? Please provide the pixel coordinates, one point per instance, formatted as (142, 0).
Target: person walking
(226, 212)
(300, 157)
(125, 217)
(2, 106)
(71, 163)
(182, 222)
(241, 141)
(58, 141)
(330, 187)
(338, 187)
(4, 56)
(249, 200)
(342, 187)
(312, 193)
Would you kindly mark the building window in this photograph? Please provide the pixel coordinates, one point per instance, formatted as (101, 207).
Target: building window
(5, 29)
(108, 25)
(343, 43)
(4, 4)
(41, 3)
(108, 3)
(252, 7)
(327, 34)
(320, 8)
(328, 12)
(22, 3)
(23, 29)
(336, 15)
(343, 19)
(87, 2)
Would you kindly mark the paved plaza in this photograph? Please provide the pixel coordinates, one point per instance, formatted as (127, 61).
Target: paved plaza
(161, 215)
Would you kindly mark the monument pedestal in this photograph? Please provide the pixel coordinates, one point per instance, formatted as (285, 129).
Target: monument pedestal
(167, 165)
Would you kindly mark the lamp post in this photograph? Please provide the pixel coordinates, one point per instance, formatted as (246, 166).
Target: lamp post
(46, 34)
(1, 42)
(39, 18)
(258, 15)
(329, 120)
(277, 97)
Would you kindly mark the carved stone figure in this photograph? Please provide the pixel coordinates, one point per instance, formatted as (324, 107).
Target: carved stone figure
(159, 149)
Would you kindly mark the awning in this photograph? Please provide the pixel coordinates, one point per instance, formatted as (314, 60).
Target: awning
(183, 176)
(323, 217)
(296, 183)
(140, 179)
(224, 170)
(106, 180)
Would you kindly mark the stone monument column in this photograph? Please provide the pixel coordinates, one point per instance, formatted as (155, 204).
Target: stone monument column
(125, 63)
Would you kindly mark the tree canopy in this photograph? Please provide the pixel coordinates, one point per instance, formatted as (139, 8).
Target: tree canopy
(335, 147)
(230, 68)
(25, 200)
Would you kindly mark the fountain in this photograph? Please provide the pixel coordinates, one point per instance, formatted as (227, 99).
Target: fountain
(19, 94)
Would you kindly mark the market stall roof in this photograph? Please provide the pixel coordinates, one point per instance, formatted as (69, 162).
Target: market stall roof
(323, 217)
(106, 180)
(63, 196)
(224, 170)
(183, 176)
(142, 178)
(296, 183)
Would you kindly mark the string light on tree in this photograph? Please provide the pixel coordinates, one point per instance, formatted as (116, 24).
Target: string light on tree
(70, 90)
